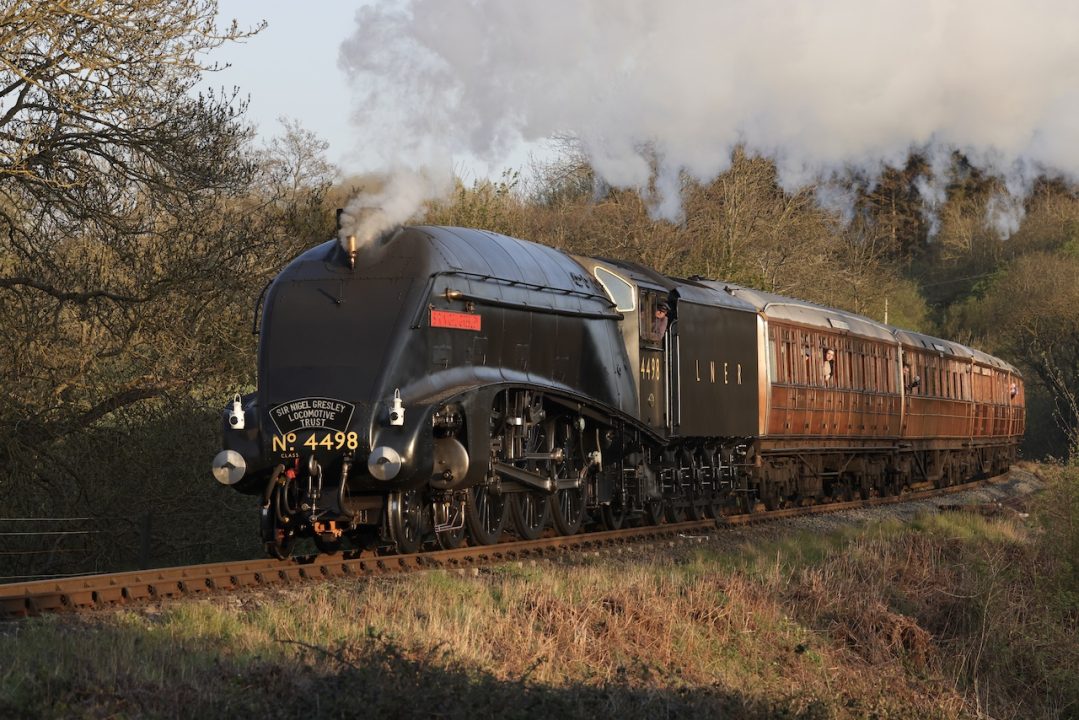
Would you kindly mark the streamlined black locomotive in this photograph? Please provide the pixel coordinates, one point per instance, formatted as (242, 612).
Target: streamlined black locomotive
(447, 381)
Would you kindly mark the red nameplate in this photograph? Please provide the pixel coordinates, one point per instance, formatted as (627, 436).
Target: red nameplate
(455, 320)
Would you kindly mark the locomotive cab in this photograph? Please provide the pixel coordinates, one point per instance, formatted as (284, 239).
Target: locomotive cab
(650, 308)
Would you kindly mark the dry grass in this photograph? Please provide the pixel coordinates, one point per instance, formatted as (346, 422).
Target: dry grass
(943, 618)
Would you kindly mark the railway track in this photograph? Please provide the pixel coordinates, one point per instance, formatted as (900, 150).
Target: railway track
(114, 589)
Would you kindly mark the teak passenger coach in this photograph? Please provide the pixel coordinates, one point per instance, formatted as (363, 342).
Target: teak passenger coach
(444, 382)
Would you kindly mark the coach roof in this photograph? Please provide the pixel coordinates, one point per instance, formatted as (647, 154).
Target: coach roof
(778, 307)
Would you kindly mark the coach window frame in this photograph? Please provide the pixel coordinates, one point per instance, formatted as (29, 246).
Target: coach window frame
(773, 365)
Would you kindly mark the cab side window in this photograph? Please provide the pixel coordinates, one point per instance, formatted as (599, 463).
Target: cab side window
(655, 317)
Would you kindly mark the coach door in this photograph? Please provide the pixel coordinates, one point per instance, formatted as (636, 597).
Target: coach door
(655, 317)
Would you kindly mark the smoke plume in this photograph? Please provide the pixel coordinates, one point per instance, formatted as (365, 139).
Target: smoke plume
(389, 200)
(821, 87)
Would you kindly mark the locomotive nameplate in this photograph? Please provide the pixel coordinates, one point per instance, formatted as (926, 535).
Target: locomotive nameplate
(456, 320)
(311, 413)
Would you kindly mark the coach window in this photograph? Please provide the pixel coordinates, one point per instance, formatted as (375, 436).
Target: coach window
(828, 367)
(783, 341)
(880, 360)
(869, 363)
(772, 364)
(882, 369)
(911, 373)
(872, 361)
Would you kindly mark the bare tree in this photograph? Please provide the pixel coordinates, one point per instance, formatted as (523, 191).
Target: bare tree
(295, 162)
(1031, 313)
(97, 111)
(114, 255)
(102, 151)
(892, 208)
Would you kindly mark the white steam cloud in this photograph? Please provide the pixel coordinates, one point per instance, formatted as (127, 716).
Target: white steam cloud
(819, 86)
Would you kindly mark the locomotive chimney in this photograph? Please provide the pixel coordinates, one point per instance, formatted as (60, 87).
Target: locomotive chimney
(350, 242)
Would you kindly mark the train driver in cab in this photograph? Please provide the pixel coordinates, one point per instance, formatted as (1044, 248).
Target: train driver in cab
(659, 323)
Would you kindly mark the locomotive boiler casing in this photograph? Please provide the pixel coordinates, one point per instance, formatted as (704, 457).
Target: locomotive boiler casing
(437, 317)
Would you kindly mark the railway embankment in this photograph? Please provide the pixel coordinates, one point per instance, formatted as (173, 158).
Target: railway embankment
(967, 607)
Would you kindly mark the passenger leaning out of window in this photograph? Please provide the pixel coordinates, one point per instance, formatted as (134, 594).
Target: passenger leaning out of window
(828, 366)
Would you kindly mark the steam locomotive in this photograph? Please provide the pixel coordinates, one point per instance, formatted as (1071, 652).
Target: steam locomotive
(446, 382)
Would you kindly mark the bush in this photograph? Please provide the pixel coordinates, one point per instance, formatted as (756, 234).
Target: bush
(1058, 517)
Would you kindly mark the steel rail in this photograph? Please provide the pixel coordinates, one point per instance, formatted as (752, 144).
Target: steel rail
(102, 590)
